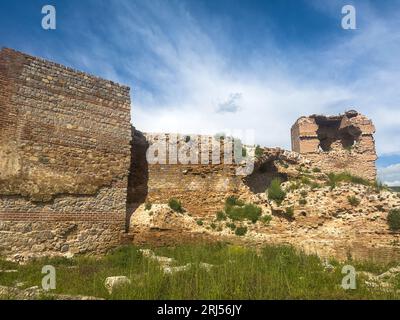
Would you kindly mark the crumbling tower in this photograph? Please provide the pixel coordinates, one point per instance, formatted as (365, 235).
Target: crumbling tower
(337, 143)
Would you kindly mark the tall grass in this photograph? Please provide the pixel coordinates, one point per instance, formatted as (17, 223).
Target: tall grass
(274, 272)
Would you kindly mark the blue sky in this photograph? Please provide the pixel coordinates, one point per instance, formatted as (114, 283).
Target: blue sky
(208, 66)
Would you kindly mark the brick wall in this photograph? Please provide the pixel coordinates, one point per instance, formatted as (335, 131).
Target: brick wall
(64, 144)
(338, 143)
(202, 188)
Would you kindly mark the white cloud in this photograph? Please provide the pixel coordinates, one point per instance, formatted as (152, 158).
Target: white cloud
(390, 175)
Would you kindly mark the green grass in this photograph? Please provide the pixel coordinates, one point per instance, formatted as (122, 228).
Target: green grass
(266, 219)
(273, 272)
(335, 178)
(354, 201)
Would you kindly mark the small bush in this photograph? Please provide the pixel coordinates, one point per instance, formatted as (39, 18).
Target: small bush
(289, 212)
(241, 231)
(275, 191)
(354, 201)
(303, 202)
(315, 185)
(304, 193)
(316, 170)
(200, 222)
(231, 226)
(244, 152)
(175, 205)
(393, 219)
(147, 206)
(233, 201)
(213, 226)
(221, 216)
(259, 151)
(305, 180)
(266, 219)
(294, 186)
(249, 211)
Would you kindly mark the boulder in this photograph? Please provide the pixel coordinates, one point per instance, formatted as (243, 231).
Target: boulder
(111, 283)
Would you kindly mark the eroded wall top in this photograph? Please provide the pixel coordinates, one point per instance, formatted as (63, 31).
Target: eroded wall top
(337, 143)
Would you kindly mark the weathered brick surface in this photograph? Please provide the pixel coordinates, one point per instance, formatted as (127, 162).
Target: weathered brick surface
(202, 188)
(64, 144)
(338, 143)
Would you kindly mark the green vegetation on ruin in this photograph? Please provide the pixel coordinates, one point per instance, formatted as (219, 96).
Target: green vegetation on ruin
(275, 191)
(175, 205)
(237, 210)
(273, 272)
(393, 219)
(353, 200)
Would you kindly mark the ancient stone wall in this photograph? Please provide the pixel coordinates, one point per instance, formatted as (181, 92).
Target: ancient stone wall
(337, 144)
(201, 187)
(64, 156)
(204, 182)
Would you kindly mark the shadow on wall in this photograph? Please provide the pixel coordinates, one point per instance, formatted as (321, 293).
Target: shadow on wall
(330, 131)
(262, 176)
(138, 174)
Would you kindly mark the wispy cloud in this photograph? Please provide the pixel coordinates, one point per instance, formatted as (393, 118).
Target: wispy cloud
(390, 175)
(231, 105)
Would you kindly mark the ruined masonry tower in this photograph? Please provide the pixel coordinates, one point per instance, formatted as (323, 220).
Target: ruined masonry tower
(337, 143)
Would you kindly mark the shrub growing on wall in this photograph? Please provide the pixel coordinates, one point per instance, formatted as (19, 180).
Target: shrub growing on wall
(238, 211)
(241, 231)
(354, 201)
(275, 191)
(393, 219)
(147, 206)
(175, 205)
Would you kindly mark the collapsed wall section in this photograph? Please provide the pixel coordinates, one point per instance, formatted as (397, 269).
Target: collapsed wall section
(337, 143)
(204, 181)
(64, 157)
(201, 187)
